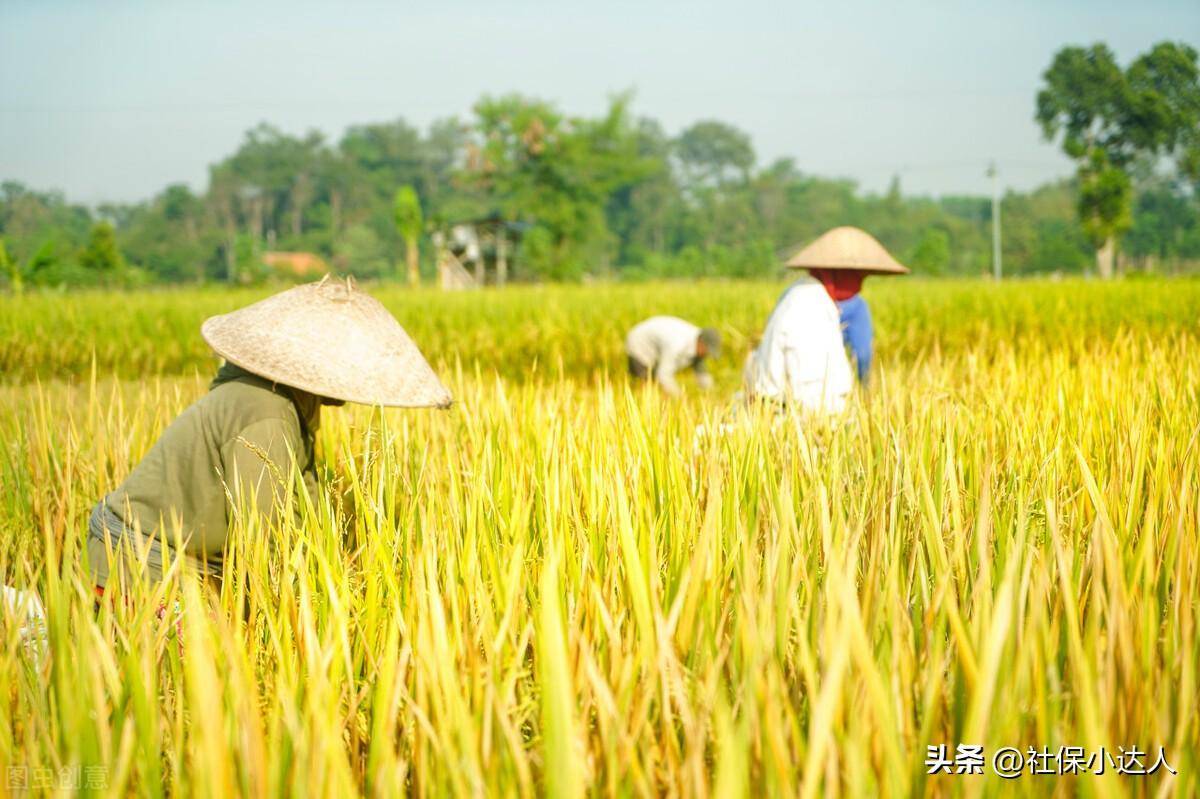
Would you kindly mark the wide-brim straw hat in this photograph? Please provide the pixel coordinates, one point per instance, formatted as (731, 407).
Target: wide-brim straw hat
(332, 340)
(847, 248)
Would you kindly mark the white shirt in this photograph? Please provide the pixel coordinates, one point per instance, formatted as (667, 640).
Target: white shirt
(666, 344)
(801, 357)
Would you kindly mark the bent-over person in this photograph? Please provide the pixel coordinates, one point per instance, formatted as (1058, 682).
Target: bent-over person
(250, 438)
(662, 346)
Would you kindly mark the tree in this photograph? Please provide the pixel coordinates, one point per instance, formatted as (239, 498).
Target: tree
(531, 162)
(181, 209)
(615, 194)
(248, 259)
(640, 212)
(11, 269)
(29, 220)
(442, 153)
(168, 237)
(406, 211)
(360, 252)
(715, 160)
(931, 256)
(1105, 199)
(1165, 221)
(1058, 246)
(715, 153)
(101, 256)
(384, 155)
(1108, 118)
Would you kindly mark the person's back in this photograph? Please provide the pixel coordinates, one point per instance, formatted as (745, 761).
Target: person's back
(235, 444)
(650, 340)
(240, 446)
(841, 259)
(800, 358)
(661, 346)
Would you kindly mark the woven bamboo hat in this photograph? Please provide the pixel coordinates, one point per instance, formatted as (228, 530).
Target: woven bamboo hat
(847, 248)
(332, 340)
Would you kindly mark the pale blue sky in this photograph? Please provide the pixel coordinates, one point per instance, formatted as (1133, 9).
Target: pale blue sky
(113, 100)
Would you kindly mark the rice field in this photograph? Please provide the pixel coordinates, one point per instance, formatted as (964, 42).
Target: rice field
(569, 585)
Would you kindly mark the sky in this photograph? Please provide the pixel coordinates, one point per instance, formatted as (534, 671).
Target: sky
(111, 101)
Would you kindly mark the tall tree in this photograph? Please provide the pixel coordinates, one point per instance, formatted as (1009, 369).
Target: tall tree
(406, 211)
(716, 159)
(931, 256)
(715, 153)
(442, 152)
(223, 203)
(532, 162)
(1166, 225)
(384, 155)
(640, 212)
(1108, 118)
(101, 256)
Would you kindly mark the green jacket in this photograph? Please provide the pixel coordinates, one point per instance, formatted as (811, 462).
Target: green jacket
(238, 442)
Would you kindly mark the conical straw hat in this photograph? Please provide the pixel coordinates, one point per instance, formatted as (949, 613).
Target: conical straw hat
(332, 340)
(847, 248)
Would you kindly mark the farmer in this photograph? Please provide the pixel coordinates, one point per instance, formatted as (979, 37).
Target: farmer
(240, 445)
(802, 356)
(800, 360)
(841, 259)
(663, 345)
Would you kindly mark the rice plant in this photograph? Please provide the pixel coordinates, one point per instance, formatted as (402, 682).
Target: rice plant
(570, 585)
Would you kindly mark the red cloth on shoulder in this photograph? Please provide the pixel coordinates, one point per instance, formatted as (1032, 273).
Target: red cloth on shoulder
(842, 284)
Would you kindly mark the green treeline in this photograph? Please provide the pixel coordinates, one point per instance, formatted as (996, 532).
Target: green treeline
(613, 196)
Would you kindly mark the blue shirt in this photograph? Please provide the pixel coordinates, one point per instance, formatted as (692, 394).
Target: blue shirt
(857, 333)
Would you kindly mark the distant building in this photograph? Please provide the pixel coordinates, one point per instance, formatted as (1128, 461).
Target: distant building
(296, 265)
(476, 252)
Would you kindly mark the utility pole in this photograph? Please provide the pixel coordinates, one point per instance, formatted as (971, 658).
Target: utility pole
(997, 270)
